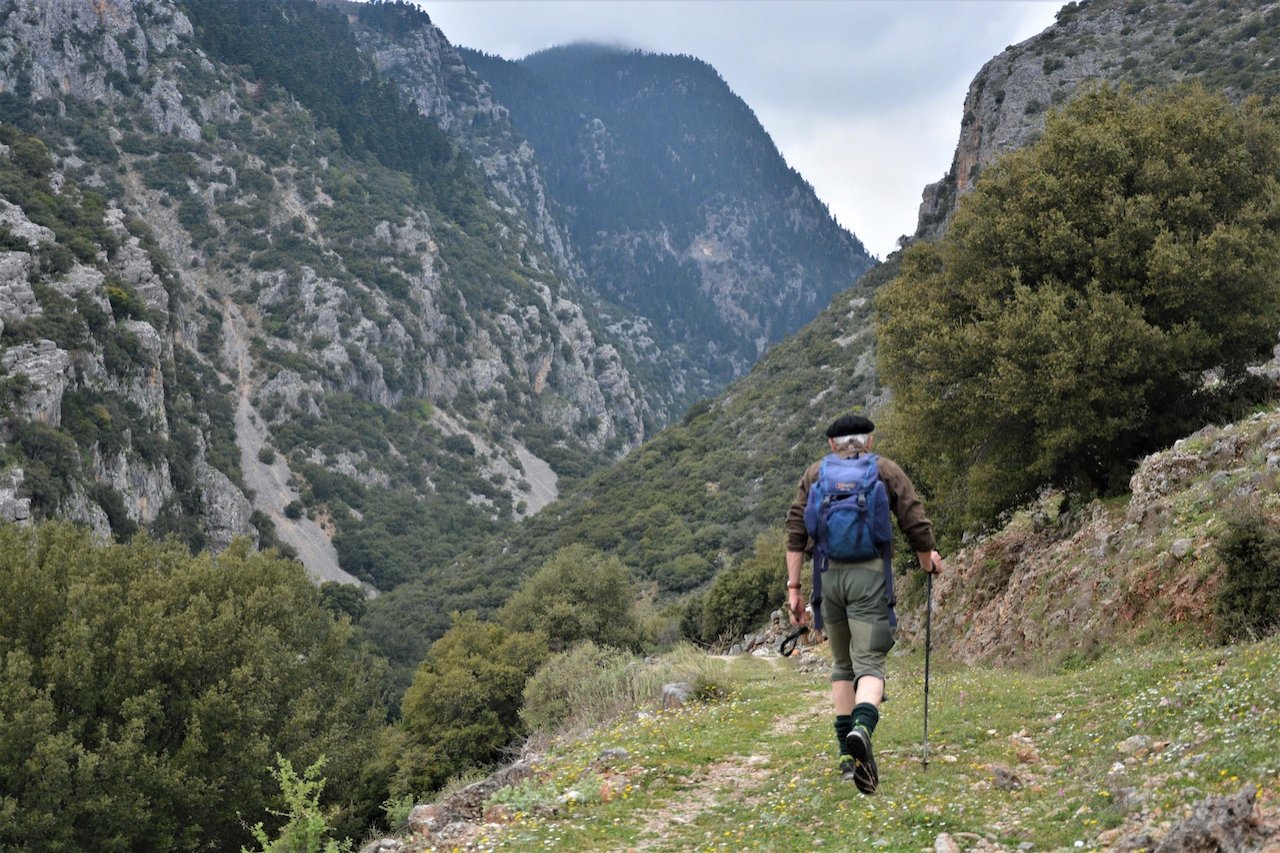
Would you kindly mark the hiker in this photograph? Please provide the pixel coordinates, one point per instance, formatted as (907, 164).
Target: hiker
(856, 598)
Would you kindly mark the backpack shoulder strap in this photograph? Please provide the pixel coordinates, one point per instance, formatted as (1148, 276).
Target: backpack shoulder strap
(873, 466)
(886, 550)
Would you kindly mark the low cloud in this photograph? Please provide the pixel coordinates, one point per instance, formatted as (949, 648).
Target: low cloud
(863, 98)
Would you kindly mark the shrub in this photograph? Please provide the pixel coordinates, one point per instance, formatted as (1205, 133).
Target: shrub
(145, 691)
(462, 708)
(531, 796)
(122, 526)
(742, 596)
(691, 616)
(1248, 603)
(343, 598)
(589, 685)
(125, 302)
(52, 462)
(579, 594)
(308, 822)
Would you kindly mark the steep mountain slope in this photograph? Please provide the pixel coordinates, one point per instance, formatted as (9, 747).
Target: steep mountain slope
(411, 52)
(689, 501)
(686, 218)
(195, 229)
(391, 340)
(1229, 47)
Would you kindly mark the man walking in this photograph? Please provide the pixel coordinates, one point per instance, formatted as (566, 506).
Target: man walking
(856, 595)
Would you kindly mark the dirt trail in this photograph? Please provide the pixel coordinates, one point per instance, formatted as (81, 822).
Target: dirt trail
(269, 484)
(740, 777)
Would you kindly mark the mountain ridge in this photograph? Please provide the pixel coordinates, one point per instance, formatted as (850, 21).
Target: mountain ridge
(663, 173)
(265, 237)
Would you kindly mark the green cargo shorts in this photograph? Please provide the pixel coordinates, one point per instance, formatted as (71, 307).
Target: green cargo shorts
(855, 609)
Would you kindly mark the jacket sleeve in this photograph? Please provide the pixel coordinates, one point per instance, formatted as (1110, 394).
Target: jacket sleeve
(797, 536)
(907, 507)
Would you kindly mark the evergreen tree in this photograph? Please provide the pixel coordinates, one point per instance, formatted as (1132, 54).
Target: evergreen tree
(579, 594)
(144, 693)
(1063, 327)
(463, 707)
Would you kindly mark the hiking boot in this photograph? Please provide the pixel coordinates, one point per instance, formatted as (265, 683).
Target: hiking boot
(846, 767)
(865, 774)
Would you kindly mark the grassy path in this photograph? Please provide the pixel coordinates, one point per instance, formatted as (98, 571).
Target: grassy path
(1043, 762)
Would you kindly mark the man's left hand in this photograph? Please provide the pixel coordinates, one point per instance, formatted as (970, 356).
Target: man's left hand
(795, 603)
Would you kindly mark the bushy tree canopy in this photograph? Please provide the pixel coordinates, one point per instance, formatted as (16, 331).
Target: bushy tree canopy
(578, 594)
(742, 596)
(463, 707)
(1063, 326)
(144, 693)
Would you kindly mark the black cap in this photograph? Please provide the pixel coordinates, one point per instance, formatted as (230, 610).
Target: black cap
(850, 425)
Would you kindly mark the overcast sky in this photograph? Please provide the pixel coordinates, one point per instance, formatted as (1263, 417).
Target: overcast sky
(862, 97)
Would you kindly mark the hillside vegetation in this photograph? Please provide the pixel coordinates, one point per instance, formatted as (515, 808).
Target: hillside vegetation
(145, 693)
(1087, 287)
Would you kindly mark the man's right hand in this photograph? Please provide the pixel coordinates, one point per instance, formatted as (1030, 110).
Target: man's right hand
(930, 561)
(795, 603)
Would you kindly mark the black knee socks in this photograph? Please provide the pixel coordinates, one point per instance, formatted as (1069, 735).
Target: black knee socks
(866, 714)
(844, 725)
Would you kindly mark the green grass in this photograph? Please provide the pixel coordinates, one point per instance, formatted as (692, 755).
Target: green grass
(756, 770)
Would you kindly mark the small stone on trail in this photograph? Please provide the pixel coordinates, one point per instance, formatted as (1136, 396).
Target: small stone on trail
(944, 843)
(608, 757)
(1136, 745)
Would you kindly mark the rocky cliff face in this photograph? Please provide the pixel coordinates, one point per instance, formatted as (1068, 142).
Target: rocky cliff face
(1077, 580)
(1229, 47)
(181, 240)
(74, 288)
(420, 59)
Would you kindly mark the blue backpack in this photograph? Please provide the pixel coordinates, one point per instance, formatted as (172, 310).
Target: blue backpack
(847, 516)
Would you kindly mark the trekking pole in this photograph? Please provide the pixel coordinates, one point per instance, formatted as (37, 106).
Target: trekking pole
(928, 641)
